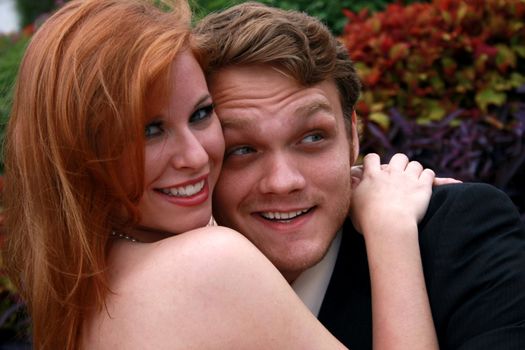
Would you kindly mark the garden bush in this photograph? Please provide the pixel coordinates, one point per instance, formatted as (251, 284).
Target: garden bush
(14, 322)
(328, 11)
(11, 51)
(30, 10)
(444, 83)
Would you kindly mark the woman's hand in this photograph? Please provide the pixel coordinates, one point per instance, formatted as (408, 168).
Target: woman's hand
(399, 190)
(388, 201)
(357, 175)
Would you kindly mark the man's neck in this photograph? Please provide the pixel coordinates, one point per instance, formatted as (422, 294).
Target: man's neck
(311, 285)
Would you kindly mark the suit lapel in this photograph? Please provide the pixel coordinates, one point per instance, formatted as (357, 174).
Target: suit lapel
(346, 309)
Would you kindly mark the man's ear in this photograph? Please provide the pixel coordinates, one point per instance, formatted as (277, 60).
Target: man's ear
(354, 146)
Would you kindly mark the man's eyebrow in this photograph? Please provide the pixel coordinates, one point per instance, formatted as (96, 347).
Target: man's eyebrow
(313, 107)
(237, 121)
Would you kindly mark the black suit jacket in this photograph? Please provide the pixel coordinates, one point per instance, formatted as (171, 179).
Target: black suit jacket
(472, 243)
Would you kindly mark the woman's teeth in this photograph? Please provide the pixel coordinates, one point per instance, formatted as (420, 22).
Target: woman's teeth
(184, 191)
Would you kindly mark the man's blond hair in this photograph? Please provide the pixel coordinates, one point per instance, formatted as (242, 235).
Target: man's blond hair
(293, 42)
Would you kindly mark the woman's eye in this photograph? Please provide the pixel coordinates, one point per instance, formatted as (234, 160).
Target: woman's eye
(240, 151)
(202, 113)
(153, 129)
(313, 138)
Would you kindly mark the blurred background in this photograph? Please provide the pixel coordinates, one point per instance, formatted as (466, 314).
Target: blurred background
(9, 21)
(16, 14)
(443, 82)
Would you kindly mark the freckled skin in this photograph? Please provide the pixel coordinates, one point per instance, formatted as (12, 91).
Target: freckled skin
(184, 144)
(287, 150)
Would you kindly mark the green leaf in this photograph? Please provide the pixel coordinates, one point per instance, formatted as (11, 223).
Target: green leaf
(505, 57)
(481, 63)
(488, 97)
(377, 107)
(448, 62)
(398, 51)
(376, 24)
(516, 79)
(446, 17)
(455, 123)
(362, 69)
(437, 84)
(380, 118)
(520, 50)
(434, 111)
(410, 79)
(462, 12)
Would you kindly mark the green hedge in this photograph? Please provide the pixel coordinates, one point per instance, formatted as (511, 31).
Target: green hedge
(29, 10)
(329, 11)
(11, 51)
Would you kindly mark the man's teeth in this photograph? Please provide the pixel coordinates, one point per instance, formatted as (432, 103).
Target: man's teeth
(184, 191)
(283, 216)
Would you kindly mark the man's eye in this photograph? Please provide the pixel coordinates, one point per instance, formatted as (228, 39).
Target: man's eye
(153, 129)
(202, 113)
(240, 151)
(313, 138)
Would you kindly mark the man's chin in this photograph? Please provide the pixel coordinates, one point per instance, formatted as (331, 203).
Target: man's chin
(293, 262)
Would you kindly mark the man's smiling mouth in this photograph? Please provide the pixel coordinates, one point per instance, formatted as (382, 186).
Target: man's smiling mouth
(283, 216)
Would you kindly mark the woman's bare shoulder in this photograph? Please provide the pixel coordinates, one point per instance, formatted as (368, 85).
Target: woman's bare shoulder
(191, 290)
(182, 260)
(131, 263)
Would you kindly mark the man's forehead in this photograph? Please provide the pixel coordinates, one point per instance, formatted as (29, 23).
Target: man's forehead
(261, 82)
(240, 117)
(245, 95)
(245, 72)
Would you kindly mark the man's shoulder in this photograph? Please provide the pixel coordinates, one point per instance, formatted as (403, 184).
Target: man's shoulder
(469, 200)
(472, 243)
(468, 217)
(465, 191)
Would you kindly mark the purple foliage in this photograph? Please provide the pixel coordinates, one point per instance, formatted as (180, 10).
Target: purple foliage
(463, 148)
(14, 321)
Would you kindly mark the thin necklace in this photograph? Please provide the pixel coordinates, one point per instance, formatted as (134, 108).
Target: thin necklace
(126, 237)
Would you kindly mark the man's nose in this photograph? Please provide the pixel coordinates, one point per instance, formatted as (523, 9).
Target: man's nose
(282, 175)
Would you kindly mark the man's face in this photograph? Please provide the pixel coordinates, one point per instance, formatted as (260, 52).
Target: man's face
(285, 182)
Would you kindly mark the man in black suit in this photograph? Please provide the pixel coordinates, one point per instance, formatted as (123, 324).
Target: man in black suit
(472, 244)
(286, 186)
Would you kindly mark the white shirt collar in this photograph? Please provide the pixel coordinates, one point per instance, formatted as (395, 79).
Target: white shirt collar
(311, 285)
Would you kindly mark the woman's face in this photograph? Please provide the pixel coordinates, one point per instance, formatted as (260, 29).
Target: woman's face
(184, 151)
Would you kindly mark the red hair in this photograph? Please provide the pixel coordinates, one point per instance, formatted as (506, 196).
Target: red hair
(78, 116)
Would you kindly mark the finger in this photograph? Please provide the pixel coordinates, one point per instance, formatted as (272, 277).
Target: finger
(398, 162)
(356, 174)
(414, 168)
(427, 176)
(355, 181)
(371, 163)
(438, 181)
(357, 171)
